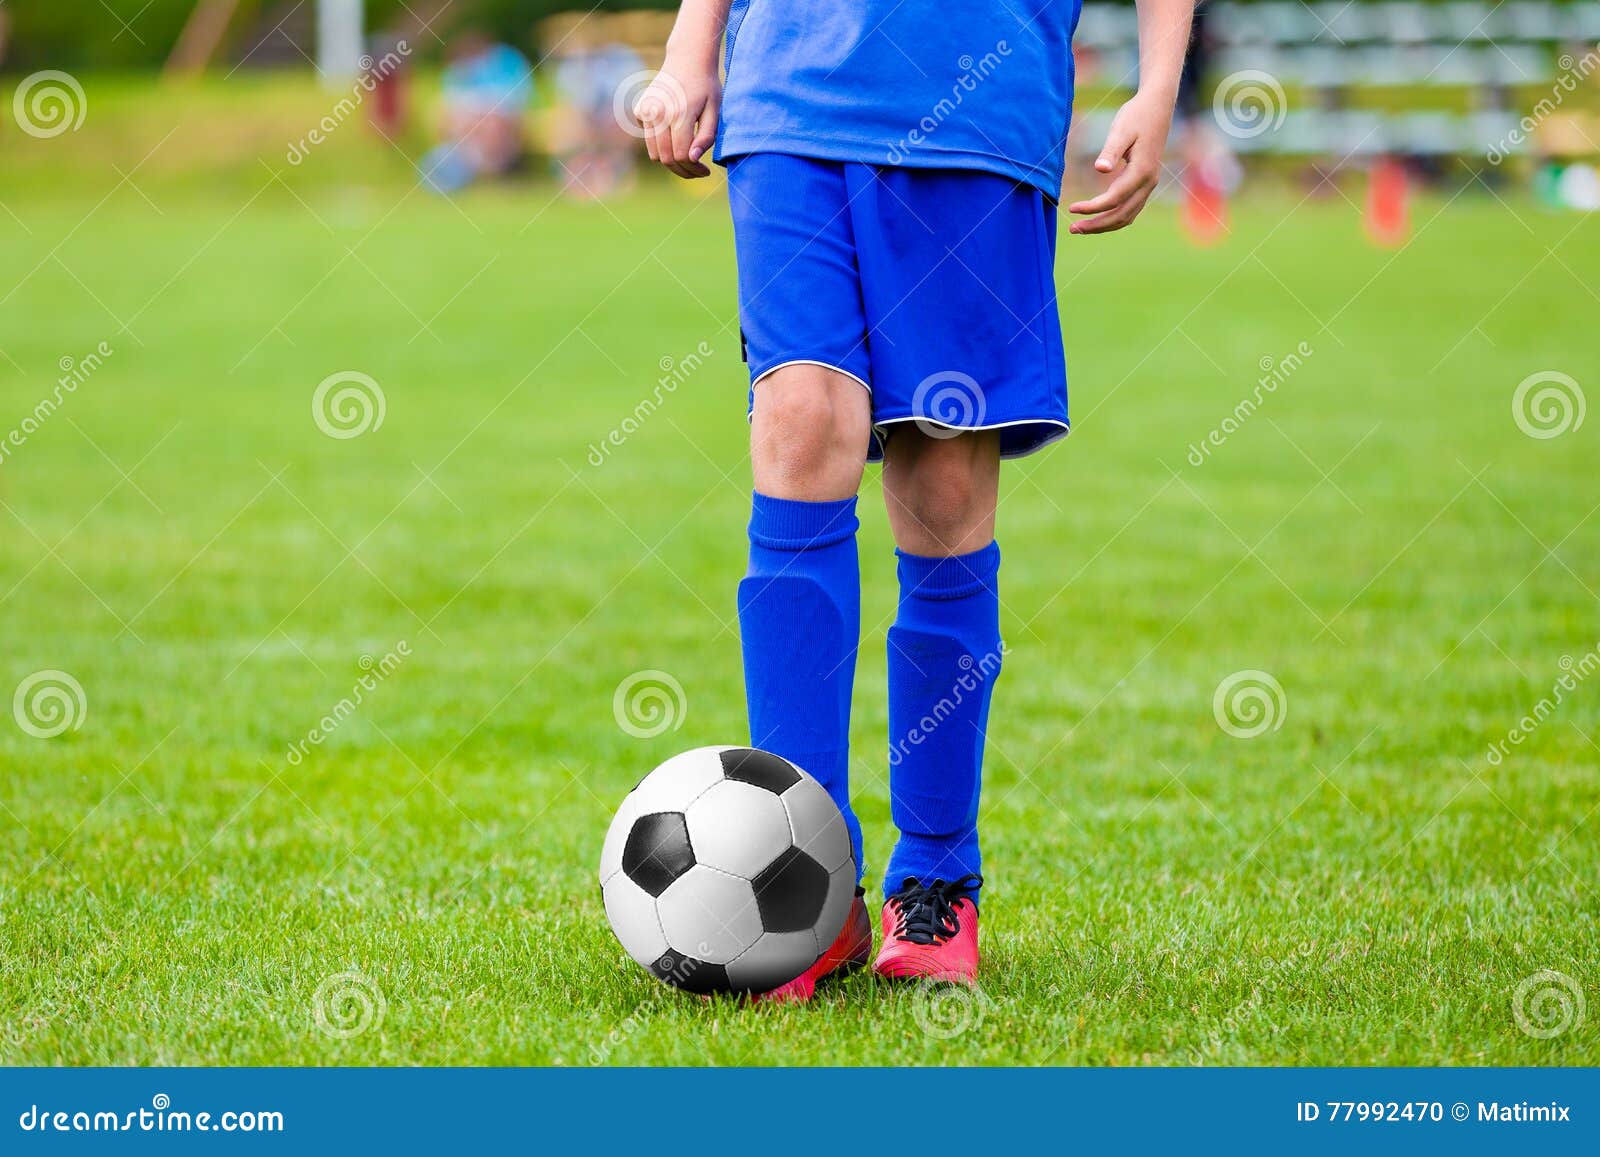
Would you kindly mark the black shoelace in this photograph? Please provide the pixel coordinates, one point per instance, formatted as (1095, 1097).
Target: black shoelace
(927, 911)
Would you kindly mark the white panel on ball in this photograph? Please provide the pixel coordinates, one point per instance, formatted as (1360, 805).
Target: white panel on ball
(632, 913)
(775, 959)
(738, 827)
(818, 828)
(841, 890)
(671, 787)
(674, 785)
(709, 915)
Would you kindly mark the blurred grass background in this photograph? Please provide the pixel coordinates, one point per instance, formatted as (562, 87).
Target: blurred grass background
(1360, 885)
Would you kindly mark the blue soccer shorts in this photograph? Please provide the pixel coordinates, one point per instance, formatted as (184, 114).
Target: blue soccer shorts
(933, 288)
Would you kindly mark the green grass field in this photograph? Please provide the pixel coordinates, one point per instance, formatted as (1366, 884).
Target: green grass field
(1362, 884)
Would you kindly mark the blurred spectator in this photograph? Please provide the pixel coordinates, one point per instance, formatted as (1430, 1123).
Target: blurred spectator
(487, 90)
(593, 137)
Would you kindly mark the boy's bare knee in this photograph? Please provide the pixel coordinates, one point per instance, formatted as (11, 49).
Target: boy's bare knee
(941, 492)
(809, 434)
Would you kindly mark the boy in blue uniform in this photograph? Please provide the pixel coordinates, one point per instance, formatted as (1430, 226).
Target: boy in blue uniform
(893, 169)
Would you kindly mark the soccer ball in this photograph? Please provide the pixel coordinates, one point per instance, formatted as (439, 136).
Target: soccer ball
(727, 869)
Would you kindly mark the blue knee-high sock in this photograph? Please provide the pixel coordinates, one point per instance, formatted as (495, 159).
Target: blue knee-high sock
(800, 622)
(944, 656)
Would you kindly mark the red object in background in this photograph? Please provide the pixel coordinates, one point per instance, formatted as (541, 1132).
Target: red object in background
(387, 105)
(1388, 217)
(1205, 206)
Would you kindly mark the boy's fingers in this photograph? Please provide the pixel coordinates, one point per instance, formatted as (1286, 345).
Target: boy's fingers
(706, 133)
(1119, 192)
(1115, 219)
(1105, 223)
(1099, 204)
(649, 110)
(683, 137)
(1118, 142)
(661, 137)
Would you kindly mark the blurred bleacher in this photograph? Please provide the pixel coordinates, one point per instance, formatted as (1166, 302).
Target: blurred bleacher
(1452, 79)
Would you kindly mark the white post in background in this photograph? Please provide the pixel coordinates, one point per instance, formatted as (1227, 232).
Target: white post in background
(339, 37)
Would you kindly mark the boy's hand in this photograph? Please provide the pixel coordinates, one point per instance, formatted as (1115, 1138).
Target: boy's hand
(679, 115)
(1138, 136)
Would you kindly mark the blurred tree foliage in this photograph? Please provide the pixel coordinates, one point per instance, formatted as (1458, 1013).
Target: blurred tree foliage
(138, 34)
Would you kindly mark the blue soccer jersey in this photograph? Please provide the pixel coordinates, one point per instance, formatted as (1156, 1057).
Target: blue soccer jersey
(970, 84)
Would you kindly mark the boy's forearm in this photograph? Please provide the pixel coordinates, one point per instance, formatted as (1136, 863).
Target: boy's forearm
(697, 32)
(1163, 38)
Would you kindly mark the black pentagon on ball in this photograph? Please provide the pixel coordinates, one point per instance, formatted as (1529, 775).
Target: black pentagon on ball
(761, 768)
(790, 892)
(691, 975)
(657, 851)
